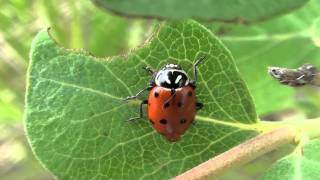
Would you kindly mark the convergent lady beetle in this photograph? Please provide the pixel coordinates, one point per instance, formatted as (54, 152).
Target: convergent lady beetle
(172, 103)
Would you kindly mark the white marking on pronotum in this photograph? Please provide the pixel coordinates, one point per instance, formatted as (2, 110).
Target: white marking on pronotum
(187, 82)
(171, 66)
(159, 77)
(167, 79)
(178, 79)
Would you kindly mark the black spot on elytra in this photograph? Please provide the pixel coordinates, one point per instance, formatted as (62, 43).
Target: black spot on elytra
(151, 121)
(149, 104)
(163, 121)
(179, 104)
(156, 94)
(166, 105)
(189, 93)
(183, 120)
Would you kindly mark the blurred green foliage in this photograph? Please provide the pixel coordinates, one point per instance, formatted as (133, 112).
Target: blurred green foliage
(287, 41)
(8, 110)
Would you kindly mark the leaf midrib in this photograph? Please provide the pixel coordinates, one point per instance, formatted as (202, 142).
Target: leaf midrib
(237, 124)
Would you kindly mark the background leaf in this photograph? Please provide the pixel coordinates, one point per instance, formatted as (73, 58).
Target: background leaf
(86, 27)
(288, 41)
(304, 164)
(8, 111)
(228, 11)
(76, 118)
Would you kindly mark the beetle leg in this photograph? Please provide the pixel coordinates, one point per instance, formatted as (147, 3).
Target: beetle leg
(140, 111)
(192, 83)
(140, 92)
(136, 96)
(195, 72)
(149, 87)
(151, 71)
(199, 106)
(195, 68)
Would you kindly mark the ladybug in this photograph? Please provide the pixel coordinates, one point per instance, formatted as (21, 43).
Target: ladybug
(172, 103)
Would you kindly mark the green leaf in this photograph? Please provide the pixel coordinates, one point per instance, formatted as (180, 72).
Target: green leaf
(289, 41)
(219, 10)
(300, 165)
(76, 116)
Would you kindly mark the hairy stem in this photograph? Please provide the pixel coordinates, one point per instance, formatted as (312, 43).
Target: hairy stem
(276, 134)
(242, 153)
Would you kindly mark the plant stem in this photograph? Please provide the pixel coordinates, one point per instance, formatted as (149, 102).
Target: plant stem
(276, 134)
(311, 128)
(241, 154)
